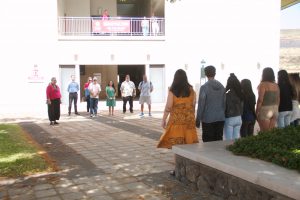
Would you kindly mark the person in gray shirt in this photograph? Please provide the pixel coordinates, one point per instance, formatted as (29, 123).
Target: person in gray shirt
(211, 107)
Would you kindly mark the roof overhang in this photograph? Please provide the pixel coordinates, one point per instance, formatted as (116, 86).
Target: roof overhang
(287, 3)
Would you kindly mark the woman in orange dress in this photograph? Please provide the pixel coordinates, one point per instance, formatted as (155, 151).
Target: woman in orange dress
(180, 105)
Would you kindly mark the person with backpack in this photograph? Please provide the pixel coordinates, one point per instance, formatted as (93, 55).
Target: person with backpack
(145, 88)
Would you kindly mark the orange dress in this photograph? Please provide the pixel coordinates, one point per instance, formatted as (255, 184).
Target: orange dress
(181, 127)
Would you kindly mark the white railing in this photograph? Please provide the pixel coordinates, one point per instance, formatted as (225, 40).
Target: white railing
(114, 26)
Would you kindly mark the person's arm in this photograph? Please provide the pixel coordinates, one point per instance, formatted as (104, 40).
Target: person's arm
(48, 94)
(134, 89)
(121, 89)
(99, 89)
(201, 104)
(106, 89)
(261, 94)
(77, 86)
(139, 87)
(151, 87)
(167, 110)
(68, 89)
(278, 95)
(194, 101)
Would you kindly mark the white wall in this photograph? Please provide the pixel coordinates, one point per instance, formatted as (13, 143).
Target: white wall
(28, 38)
(237, 33)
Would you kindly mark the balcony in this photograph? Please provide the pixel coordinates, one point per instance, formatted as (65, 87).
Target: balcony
(115, 28)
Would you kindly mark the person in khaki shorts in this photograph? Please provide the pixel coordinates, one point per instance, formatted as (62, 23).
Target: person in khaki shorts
(268, 100)
(145, 88)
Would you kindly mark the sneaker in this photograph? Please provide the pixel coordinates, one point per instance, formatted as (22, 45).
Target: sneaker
(51, 123)
(69, 114)
(55, 123)
(131, 111)
(77, 113)
(150, 115)
(172, 173)
(142, 115)
(91, 116)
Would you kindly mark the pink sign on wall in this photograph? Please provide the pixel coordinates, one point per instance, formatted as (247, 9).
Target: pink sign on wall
(111, 26)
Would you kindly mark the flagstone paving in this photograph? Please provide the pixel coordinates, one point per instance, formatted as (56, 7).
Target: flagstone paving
(106, 157)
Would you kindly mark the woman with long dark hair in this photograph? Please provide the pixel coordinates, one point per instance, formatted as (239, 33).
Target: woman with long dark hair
(233, 108)
(286, 94)
(248, 116)
(268, 100)
(180, 108)
(295, 82)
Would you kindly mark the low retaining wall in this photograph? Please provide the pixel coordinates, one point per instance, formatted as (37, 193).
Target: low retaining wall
(209, 180)
(210, 168)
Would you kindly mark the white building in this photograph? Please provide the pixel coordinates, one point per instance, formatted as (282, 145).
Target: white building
(42, 39)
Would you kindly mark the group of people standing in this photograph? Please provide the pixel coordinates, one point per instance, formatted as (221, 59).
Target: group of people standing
(229, 112)
(92, 91)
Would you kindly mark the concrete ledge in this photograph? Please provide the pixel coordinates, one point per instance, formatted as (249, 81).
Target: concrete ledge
(261, 173)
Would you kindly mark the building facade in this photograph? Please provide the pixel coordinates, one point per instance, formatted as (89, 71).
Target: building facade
(42, 39)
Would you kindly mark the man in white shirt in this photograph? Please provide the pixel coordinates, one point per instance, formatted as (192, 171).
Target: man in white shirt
(128, 92)
(95, 90)
(145, 88)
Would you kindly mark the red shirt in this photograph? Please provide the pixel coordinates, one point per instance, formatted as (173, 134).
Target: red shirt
(86, 85)
(52, 92)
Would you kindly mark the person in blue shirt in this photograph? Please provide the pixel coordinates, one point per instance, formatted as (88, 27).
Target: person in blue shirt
(73, 89)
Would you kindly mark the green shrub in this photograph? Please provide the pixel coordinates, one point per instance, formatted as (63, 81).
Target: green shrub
(279, 146)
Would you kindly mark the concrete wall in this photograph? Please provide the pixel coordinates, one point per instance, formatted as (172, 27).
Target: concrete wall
(110, 5)
(60, 8)
(78, 8)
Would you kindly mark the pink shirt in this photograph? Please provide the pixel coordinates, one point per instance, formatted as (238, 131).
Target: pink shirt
(53, 93)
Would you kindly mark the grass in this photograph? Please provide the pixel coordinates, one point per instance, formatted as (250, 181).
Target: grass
(20, 156)
(279, 146)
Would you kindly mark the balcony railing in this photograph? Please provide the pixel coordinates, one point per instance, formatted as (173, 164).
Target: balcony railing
(114, 26)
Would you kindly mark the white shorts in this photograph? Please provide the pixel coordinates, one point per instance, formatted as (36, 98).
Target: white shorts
(145, 99)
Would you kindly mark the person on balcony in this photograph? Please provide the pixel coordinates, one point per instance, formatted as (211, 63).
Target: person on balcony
(145, 26)
(154, 25)
(105, 15)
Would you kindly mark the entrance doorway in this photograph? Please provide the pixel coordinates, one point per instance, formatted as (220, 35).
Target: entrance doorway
(135, 72)
(66, 71)
(158, 81)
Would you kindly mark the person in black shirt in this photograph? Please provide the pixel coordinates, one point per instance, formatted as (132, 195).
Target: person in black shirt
(248, 116)
(285, 103)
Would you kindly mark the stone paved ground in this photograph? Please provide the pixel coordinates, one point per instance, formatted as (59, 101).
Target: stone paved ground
(101, 158)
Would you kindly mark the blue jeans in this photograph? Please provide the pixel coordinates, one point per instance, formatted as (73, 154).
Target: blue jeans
(232, 127)
(284, 119)
(93, 106)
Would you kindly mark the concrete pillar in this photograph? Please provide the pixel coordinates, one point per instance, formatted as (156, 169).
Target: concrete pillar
(77, 79)
(147, 70)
